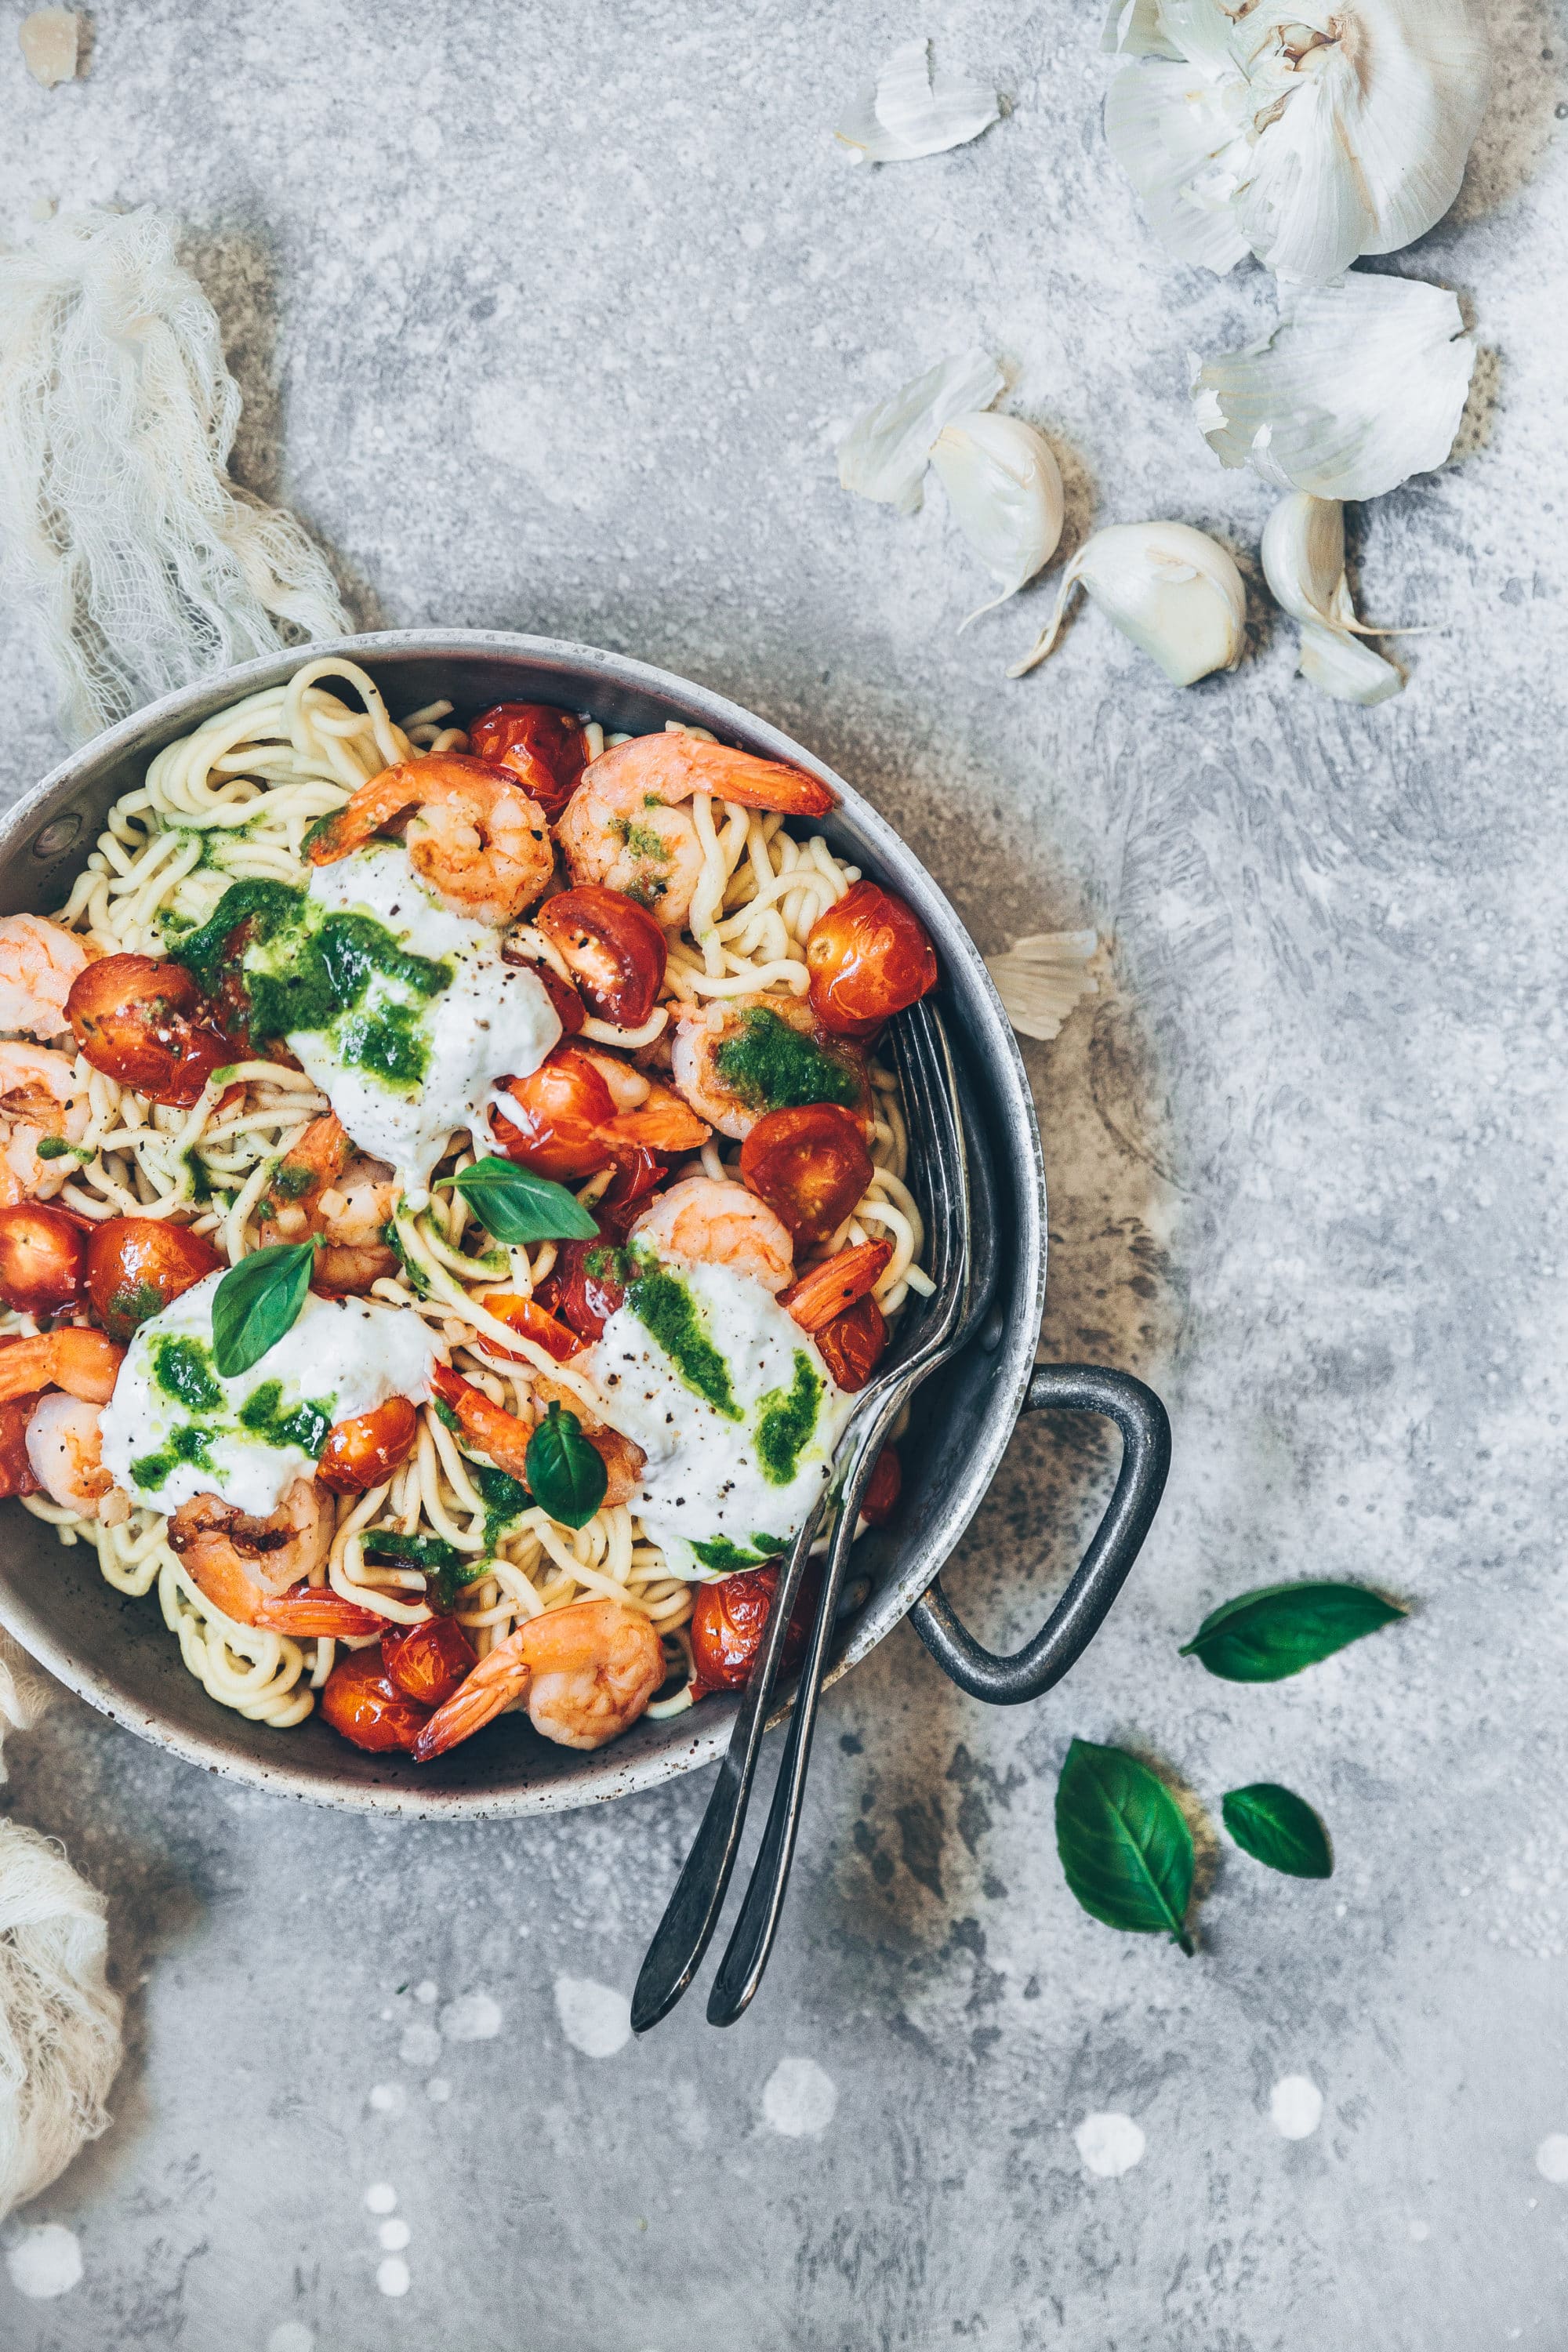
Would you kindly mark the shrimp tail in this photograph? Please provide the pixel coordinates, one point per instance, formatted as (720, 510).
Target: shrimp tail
(84, 1363)
(498, 1682)
(499, 1434)
(309, 1611)
(825, 1290)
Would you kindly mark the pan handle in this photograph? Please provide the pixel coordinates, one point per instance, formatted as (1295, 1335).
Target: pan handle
(1082, 1609)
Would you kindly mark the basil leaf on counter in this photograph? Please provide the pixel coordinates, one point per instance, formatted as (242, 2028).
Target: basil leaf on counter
(1262, 1636)
(1125, 1849)
(1279, 1829)
(257, 1302)
(567, 1476)
(515, 1206)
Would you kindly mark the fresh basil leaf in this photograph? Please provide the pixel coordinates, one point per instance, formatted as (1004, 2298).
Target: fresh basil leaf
(1125, 1849)
(567, 1476)
(515, 1206)
(1262, 1636)
(1279, 1829)
(257, 1302)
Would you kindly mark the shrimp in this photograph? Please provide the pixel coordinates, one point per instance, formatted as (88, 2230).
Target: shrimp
(320, 1187)
(505, 1438)
(84, 1363)
(719, 1225)
(625, 825)
(701, 1031)
(64, 1449)
(38, 961)
(586, 1672)
(40, 1096)
(245, 1566)
(475, 834)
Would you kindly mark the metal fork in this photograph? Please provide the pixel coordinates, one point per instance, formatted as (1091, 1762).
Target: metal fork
(683, 1934)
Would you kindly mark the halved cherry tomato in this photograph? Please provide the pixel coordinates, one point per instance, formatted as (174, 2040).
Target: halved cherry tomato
(16, 1476)
(880, 1497)
(429, 1662)
(612, 947)
(638, 1174)
(810, 1165)
(851, 1345)
(825, 1290)
(526, 1315)
(361, 1700)
(554, 1120)
(544, 746)
(138, 1265)
(364, 1451)
(43, 1256)
(868, 956)
(729, 1617)
(585, 1288)
(570, 1009)
(148, 1026)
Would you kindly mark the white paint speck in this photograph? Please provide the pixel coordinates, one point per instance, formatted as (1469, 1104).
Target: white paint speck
(45, 2262)
(1109, 2145)
(391, 2275)
(799, 2098)
(1295, 2106)
(1551, 2159)
(292, 2336)
(473, 2017)
(1419, 2232)
(594, 2018)
(437, 2090)
(381, 2197)
(389, 2099)
(421, 2044)
(393, 2236)
(428, 1990)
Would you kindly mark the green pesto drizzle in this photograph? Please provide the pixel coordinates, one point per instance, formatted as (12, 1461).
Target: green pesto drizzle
(786, 1423)
(771, 1066)
(305, 1426)
(665, 1309)
(724, 1557)
(182, 1369)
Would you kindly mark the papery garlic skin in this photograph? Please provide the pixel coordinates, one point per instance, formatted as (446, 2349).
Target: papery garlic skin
(1043, 979)
(885, 453)
(1304, 564)
(1173, 589)
(1005, 489)
(1305, 132)
(1361, 384)
(916, 110)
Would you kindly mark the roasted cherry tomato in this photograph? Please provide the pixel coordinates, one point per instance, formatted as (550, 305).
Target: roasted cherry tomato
(138, 1265)
(868, 956)
(361, 1700)
(43, 1256)
(570, 1009)
(15, 1469)
(810, 1166)
(613, 948)
(638, 1175)
(429, 1662)
(364, 1451)
(553, 1120)
(730, 1618)
(585, 1288)
(535, 1322)
(148, 1026)
(825, 1290)
(851, 1345)
(544, 746)
(881, 1498)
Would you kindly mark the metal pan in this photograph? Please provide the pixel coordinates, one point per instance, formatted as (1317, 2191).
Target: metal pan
(118, 1655)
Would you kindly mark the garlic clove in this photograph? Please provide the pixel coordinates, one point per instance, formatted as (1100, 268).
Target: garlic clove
(1304, 564)
(916, 110)
(1043, 979)
(1174, 591)
(1361, 384)
(1320, 134)
(885, 453)
(1005, 489)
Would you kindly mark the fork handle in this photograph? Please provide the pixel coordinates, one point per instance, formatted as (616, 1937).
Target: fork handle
(1081, 1611)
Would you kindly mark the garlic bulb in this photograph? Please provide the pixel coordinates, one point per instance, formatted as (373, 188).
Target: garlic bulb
(1174, 591)
(1043, 979)
(1304, 564)
(885, 453)
(1305, 132)
(1004, 487)
(1360, 385)
(917, 110)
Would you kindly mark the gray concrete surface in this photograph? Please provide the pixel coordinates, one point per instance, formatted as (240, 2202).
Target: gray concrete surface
(546, 318)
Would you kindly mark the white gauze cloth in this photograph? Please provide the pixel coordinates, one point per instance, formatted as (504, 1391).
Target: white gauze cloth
(146, 565)
(59, 2023)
